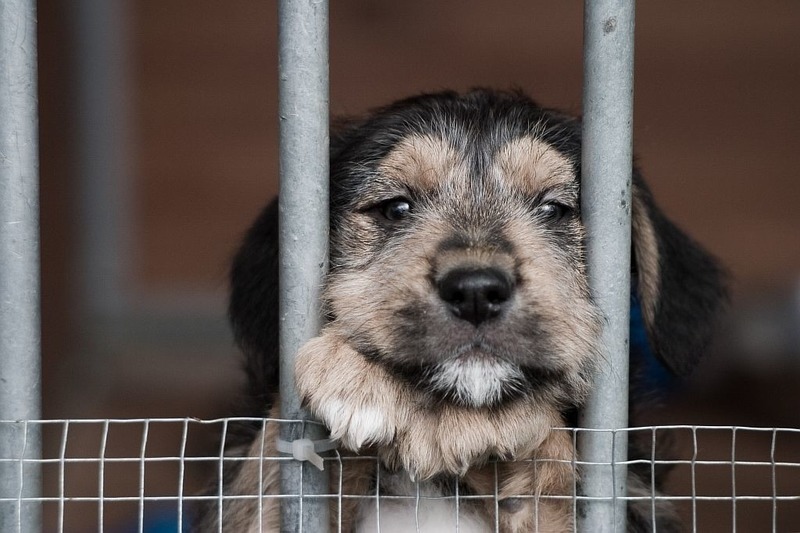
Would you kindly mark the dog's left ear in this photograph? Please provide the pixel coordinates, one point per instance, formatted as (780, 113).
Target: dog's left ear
(681, 287)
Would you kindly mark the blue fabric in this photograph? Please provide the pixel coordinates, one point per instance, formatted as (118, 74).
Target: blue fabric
(654, 375)
(160, 520)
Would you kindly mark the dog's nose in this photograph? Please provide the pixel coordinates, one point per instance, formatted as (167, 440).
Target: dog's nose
(476, 295)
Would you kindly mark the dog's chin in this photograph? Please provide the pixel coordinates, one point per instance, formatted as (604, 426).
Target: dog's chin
(476, 375)
(475, 379)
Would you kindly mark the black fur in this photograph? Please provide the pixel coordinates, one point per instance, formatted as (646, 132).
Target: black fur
(253, 308)
(693, 285)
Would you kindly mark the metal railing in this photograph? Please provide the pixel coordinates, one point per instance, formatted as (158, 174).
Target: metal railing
(303, 49)
(20, 344)
(131, 474)
(606, 167)
(304, 175)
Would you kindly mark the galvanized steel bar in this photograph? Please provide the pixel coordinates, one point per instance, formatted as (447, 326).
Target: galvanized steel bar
(20, 344)
(304, 167)
(606, 207)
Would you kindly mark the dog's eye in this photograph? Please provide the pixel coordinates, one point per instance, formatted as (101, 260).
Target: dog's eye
(395, 209)
(552, 211)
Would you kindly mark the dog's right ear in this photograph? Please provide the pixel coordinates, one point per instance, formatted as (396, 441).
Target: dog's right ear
(681, 287)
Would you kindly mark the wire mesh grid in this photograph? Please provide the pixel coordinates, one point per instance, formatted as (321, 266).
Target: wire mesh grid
(149, 475)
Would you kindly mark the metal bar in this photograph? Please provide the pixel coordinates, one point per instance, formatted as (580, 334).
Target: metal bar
(20, 344)
(605, 203)
(304, 167)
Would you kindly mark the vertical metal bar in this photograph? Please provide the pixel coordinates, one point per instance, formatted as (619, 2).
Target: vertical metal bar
(101, 489)
(774, 481)
(694, 479)
(20, 344)
(62, 467)
(606, 200)
(182, 475)
(142, 472)
(304, 166)
(733, 480)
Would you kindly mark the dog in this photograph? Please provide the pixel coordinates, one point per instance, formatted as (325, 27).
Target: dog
(460, 329)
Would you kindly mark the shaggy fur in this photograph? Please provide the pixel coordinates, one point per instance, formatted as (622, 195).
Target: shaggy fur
(460, 328)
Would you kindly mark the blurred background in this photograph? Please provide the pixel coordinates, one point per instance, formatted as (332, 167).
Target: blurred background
(159, 147)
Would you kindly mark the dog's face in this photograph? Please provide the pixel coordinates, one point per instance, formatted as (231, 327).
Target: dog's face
(457, 255)
(460, 322)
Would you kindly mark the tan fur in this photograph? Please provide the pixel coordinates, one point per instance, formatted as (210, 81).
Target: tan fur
(554, 282)
(531, 165)
(422, 161)
(423, 441)
(418, 440)
(646, 249)
(426, 441)
(546, 471)
(367, 406)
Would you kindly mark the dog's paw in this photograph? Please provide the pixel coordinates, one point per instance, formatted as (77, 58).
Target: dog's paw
(362, 405)
(454, 439)
(355, 426)
(342, 389)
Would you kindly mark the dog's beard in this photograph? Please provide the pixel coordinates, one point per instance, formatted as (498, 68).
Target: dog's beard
(476, 381)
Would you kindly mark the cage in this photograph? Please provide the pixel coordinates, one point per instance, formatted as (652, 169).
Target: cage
(756, 484)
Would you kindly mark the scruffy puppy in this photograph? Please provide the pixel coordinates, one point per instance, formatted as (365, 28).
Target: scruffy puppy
(460, 327)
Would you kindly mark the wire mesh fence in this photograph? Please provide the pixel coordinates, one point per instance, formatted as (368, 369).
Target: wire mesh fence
(149, 475)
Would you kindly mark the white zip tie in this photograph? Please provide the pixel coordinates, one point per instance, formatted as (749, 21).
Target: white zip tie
(306, 449)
